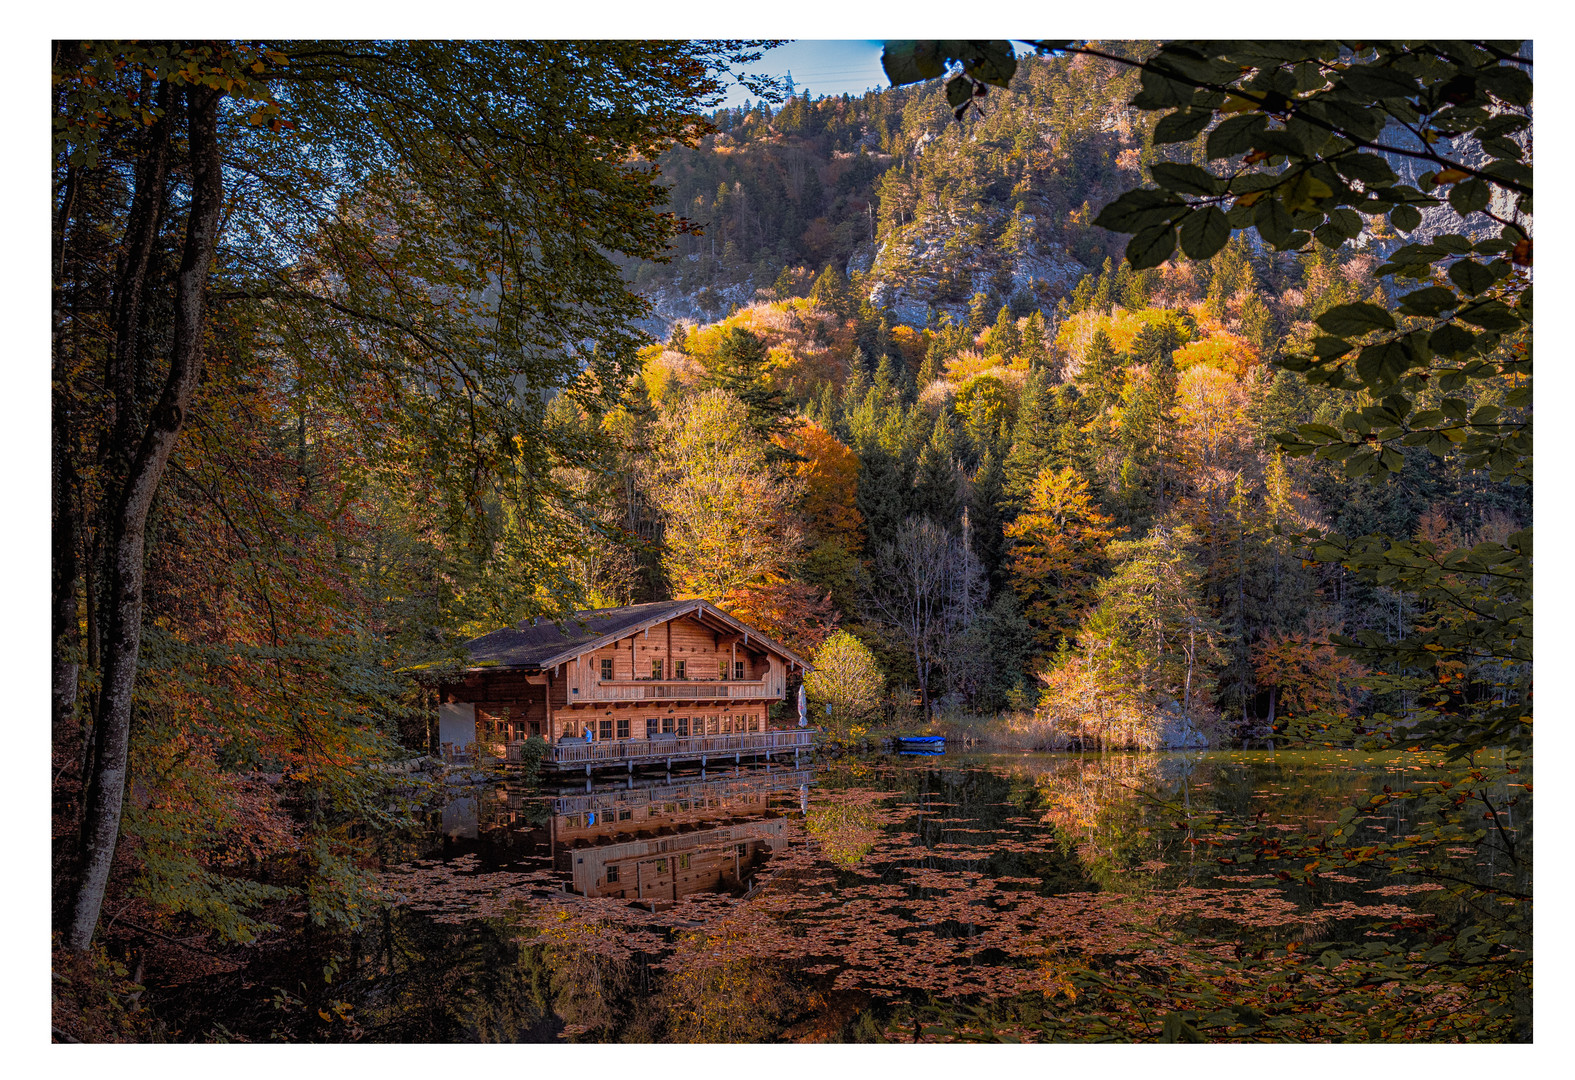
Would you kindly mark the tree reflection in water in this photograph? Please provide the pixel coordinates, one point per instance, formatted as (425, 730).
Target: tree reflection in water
(1045, 896)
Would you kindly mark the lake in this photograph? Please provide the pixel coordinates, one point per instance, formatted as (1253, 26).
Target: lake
(1040, 897)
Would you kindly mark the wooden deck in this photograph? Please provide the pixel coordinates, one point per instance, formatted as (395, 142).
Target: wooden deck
(668, 749)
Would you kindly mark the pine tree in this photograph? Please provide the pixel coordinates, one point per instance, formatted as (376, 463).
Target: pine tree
(1034, 342)
(1082, 296)
(880, 498)
(933, 367)
(1005, 341)
(826, 411)
(1104, 288)
(935, 492)
(740, 369)
(678, 339)
(1031, 438)
(830, 292)
(985, 517)
(1102, 374)
(782, 288)
(978, 314)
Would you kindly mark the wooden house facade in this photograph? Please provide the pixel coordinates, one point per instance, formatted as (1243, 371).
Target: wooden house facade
(675, 670)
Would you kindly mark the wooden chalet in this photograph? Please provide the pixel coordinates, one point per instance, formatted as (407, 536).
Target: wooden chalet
(679, 680)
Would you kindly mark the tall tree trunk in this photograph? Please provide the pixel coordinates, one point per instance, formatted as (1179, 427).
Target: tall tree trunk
(126, 528)
(63, 534)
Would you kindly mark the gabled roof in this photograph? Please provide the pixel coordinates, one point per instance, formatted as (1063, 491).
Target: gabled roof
(544, 644)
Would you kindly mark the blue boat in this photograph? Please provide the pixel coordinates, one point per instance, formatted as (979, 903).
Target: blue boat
(921, 744)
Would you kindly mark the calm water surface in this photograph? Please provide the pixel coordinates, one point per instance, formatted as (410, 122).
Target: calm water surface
(807, 903)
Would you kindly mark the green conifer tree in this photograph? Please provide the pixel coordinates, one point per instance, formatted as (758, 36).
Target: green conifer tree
(1005, 340)
(1034, 343)
(880, 497)
(978, 314)
(985, 518)
(935, 493)
(740, 368)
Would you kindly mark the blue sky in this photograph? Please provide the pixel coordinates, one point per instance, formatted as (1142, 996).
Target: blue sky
(824, 67)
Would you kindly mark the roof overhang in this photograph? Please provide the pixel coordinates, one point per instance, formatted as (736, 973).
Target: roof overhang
(705, 611)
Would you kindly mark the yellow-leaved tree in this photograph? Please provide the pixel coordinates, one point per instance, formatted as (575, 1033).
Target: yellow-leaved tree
(846, 678)
(726, 506)
(1058, 547)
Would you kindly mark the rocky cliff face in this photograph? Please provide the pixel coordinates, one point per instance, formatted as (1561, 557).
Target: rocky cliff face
(938, 265)
(671, 304)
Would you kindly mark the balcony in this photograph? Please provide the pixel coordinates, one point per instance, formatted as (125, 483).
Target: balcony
(673, 689)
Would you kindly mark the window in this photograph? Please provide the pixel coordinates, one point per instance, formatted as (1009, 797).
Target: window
(721, 669)
(661, 866)
(656, 669)
(652, 726)
(727, 725)
(738, 669)
(678, 668)
(623, 727)
(612, 873)
(624, 813)
(605, 731)
(683, 726)
(743, 849)
(667, 725)
(714, 729)
(606, 670)
(683, 862)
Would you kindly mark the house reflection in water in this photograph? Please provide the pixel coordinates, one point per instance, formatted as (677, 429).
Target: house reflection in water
(659, 840)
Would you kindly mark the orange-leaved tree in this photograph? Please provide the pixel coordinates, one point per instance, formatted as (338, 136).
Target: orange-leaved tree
(1304, 673)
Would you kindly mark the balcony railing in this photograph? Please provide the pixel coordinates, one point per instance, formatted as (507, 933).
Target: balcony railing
(676, 748)
(668, 689)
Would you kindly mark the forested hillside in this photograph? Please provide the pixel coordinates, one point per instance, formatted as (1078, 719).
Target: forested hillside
(889, 183)
(1055, 491)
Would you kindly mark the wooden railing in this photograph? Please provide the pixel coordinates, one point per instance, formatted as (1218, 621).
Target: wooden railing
(647, 689)
(781, 779)
(689, 748)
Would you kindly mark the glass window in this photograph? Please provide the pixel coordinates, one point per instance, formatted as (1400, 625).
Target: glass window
(607, 669)
(727, 725)
(606, 730)
(683, 726)
(721, 669)
(623, 727)
(624, 813)
(656, 669)
(667, 725)
(738, 669)
(612, 872)
(661, 866)
(678, 668)
(683, 862)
